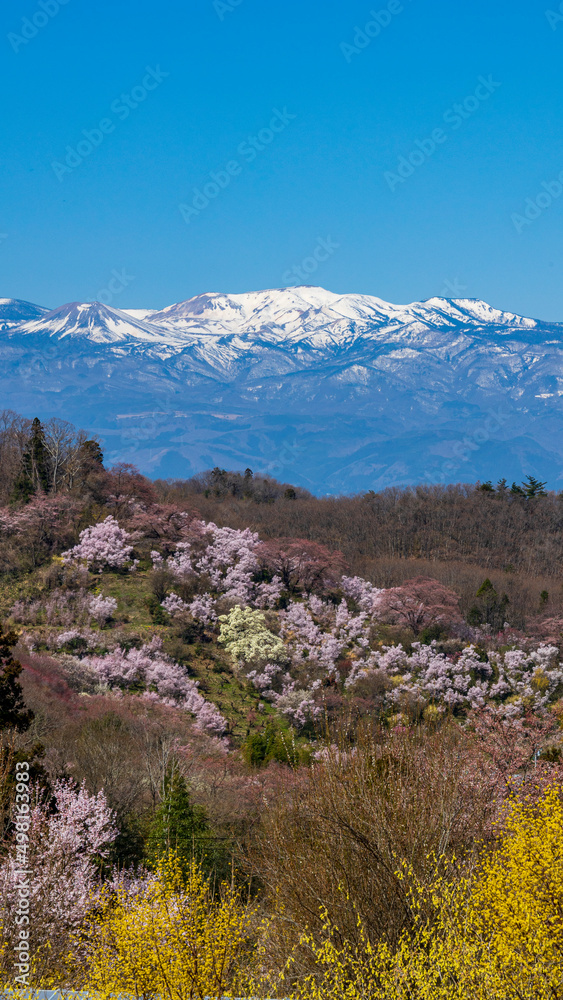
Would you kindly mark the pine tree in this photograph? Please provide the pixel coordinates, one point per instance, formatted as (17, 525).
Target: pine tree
(533, 487)
(178, 827)
(91, 456)
(34, 472)
(489, 608)
(13, 711)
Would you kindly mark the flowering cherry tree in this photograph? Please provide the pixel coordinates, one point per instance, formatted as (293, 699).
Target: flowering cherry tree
(202, 608)
(362, 592)
(418, 603)
(102, 608)
(161, 678)
(103, 545)
(64, 850)
(301, 564)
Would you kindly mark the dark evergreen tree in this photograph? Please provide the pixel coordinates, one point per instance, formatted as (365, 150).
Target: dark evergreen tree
(34, 475)
(489, 608)
(533, 487)
(91, 456)
(178, 826)
(517, 490)
(260, 748)
(13, 711)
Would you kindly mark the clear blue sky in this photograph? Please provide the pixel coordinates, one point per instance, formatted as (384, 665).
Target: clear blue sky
(446, 225)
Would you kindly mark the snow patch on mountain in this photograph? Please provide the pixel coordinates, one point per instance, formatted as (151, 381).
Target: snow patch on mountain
(336, 392)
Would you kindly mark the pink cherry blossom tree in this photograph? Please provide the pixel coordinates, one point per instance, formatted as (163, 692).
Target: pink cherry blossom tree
(102, 545)
(62, 863)
(418, 603)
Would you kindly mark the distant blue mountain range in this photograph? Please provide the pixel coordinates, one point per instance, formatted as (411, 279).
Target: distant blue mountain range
(337, 393)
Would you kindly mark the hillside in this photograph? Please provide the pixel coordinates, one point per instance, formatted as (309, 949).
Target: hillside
(230, 674)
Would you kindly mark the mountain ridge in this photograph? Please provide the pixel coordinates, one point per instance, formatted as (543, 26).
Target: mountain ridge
(337, 392)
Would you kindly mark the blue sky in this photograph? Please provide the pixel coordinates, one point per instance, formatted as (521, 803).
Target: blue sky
(189, 90)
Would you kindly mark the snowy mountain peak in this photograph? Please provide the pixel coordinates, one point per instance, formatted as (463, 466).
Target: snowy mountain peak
(93, 322)
(304, 314)
(334, 392)
(14, 311)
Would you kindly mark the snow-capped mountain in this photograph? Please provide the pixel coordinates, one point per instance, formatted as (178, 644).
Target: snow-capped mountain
(13, 311)
(335, 392)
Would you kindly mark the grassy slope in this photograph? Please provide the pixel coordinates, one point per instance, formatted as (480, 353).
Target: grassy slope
(206, 662)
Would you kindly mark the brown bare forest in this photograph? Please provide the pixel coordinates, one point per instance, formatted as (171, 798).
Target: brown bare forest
(459, 534)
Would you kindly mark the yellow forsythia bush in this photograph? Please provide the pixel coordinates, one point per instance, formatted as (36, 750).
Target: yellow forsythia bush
(175, 940)
(494, 935)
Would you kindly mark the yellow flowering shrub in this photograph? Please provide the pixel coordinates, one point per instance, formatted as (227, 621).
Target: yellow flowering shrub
(175, 939)
(496, 934)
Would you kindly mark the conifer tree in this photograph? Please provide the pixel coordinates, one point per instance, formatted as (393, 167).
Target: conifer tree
(34, 472)
(13, 711)
(178, 828)
(489, 608)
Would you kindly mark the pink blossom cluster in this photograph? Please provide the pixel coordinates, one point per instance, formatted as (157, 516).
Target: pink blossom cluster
(316, 633)
(230, 562)
(320, 633)
(102, 609)
(264, 680)
(298, 704)
(533, 676)
(102, 545)
(64, 850)
(44, 514)
(65, 607)
(517, 678)
(362, 592)
(268, 594)
(226, 557)
(74, 637)
(174, 605)
(152, 670)
(28, 612)
(202, 608)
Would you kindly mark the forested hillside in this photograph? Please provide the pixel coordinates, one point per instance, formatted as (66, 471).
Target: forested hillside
(232, 674)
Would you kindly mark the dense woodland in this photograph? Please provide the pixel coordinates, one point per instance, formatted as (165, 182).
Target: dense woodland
(278, 744)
